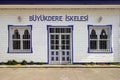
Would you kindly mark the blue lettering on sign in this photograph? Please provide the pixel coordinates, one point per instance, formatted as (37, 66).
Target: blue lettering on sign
(45, 18)
(76, 18)
(58, 18)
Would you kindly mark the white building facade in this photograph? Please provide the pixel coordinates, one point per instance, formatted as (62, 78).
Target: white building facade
(60, 34)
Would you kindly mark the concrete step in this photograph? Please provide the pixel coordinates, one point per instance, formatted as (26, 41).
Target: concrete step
(59, 66)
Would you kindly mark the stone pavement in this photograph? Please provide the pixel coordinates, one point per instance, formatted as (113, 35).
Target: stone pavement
(59, 73)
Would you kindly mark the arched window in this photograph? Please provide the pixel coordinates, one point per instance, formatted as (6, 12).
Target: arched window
(16, 40)
(16, 34)
(99, 38)
(26, 34)
(93, 34)
(103, 39)
(103, 34)
(26, 40)
(93, 39)
(20, 38)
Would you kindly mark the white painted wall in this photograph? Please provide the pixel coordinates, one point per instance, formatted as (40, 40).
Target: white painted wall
(80, 33)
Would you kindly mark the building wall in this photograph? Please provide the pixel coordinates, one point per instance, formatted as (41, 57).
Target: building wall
(110, 16)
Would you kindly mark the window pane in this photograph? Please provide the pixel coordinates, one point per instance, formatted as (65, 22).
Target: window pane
(52, 58)
(51, 36)
(52, 41)
(52, 53)
(51, 30)
(57, 37)
(56, 58)
(57, 30)
(57, 47)
(62, 30)
(62, 36)
(52, 47)
(93, 34)
(67, 52)
(63, 58)
(103, 44)
(26, 44)
(16, 35)
(93, 44)
(67, 41)
(56, 52)
(68, 47)
(57, 41)
(16, 44)
(63, 52)
(26, 35)
(68, 59)
(103, 34)
(63, 47)
(63, 41)
(67, 36)
(68, 30)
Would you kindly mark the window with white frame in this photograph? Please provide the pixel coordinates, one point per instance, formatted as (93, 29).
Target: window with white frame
(100, 38)
(20, 38)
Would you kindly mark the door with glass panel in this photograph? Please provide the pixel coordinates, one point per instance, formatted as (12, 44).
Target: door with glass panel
(60, 45)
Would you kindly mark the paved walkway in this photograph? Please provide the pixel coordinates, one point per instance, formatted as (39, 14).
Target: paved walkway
(83, 73)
